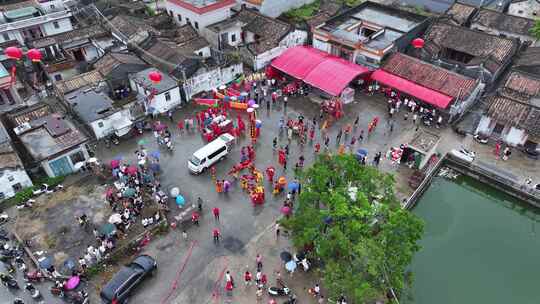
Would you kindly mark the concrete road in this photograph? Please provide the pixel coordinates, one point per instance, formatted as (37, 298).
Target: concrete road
(241, 224)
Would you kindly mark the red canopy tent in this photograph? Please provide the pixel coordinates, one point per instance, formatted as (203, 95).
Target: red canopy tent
(432, 97)
(319, 69)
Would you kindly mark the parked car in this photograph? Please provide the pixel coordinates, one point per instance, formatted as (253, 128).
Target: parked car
(125, 280)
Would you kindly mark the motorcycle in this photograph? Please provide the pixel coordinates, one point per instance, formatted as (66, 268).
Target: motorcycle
(18, 301)
(20, 263)
(34, 276)
(279, 291)
(4, 218)
(291, 300)
(9, 282)
(58, 289)
(481, 138)
(168, 143)
(78, 297)
(34, 292)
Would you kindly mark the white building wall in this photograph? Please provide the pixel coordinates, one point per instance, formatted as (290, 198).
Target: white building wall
(47, 168)
(109, 123)
(12, 35)
(52, 6)
(292, 39)
(91, 52)
(528, 9)
(64, 25)
(10, 177)
(204, 52)
(211, 79)
(274, 8)
(203, 20)
(159, 103)
(321, 45)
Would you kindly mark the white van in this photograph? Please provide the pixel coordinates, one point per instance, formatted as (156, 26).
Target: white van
(208, 155)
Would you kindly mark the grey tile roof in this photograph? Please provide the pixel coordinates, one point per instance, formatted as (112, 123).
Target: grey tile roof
(90, 105)
(110, 61)
(166, 83)
(503, 22)
(460, 13)
(79, 81)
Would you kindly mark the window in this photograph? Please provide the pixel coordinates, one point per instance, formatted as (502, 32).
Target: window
(188, 21)
(11, 178)
(179, 17)
(219, 151)
(167, 96)
(100, 124)
(201, 53)
(57, 77)
(233, 37)
(196, 25)
(17, 187)
(77, 157)
(52, 6)
(5, 36)
(56, 25)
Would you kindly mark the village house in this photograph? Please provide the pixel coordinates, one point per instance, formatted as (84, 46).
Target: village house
(460, 14)
(22, 20)
(524, 8)
(9, 97)
(77, 44)
(469, 52)
(499, 24)
(52, 142)
(115, 69)
(258, 38)
(13, 176)
(128, 29)
(199, 13)
(189, 59)
(274, 8)
(98, 112)
(450, 93)
(367, 33)
(528, 61)
(327, 10)
(513, 114)
(158, 98)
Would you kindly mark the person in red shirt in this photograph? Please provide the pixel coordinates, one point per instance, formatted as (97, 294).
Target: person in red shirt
(195, 218)
(247, 278)
(216, 234)
(215, 211)
(317, 147)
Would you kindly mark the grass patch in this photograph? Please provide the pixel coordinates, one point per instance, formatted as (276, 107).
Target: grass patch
(304, 12)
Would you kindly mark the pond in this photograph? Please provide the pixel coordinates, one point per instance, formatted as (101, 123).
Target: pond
(480, 246)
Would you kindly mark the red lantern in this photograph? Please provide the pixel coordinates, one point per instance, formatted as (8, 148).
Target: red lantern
(13, 53)
(155, 77)
(418, 43)
(34, 55)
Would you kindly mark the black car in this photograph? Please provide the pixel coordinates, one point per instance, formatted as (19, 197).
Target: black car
(125, 280)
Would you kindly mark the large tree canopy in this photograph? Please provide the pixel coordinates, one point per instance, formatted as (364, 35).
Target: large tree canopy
(351, 217)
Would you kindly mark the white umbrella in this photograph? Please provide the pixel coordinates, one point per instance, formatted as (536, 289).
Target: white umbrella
(115, 218)
(78, 166)
(255, 106)
(222, 87)
(92, 160)
(244, 94)
(175, 191)
(290, 266)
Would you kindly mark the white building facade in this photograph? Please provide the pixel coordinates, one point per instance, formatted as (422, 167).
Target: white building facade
(33, 22)
(198, 13)
(13, 180)
(211, 79)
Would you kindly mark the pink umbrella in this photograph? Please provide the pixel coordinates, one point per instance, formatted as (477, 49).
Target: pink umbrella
(132, 170)
(109, 192)
(115, 163)
(285, 210)
(160, 126)
(73, 282)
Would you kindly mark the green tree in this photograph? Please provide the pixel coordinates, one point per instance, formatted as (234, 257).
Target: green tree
(535, 30)
(350, 216)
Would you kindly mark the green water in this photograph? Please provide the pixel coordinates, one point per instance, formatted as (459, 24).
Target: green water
(480, 246)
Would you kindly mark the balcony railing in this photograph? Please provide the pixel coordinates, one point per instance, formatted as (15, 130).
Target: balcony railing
(34, 21)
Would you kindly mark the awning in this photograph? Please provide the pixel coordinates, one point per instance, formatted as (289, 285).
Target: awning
(334, 74)
(319, 69)
(299, 61)
(432, 97)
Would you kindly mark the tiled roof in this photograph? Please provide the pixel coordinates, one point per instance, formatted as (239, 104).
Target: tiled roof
(459, 13)
(430, 76)
(327, 10)
(512, 112)
(521, 86)
(503, 22)
(188, 40)
(529, 61)
(269, 31)
(8, 157)
(480, 45)
(37, 111)
(82, 80)
(130, 26)
(111, 61)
